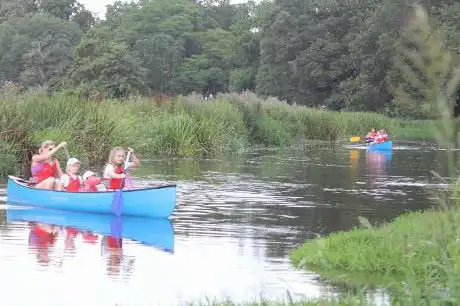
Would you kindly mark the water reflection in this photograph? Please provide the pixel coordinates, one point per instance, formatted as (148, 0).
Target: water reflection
(47, 226)
(237, 219)
(42, 237)
(377, 163)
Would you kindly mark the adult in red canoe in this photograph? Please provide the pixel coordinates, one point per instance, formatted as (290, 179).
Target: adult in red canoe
(45, 168)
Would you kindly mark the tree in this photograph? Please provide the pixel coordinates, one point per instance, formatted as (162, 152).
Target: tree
(35, 50)
(102, 64)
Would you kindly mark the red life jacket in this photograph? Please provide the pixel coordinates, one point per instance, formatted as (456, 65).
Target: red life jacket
(114, 243)
(74, 184)
(115, 183)
(382, 138)
(48, 170)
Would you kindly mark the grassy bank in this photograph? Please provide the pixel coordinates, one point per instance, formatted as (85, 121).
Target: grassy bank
(348, 301)
(185, 126)
(418, 254)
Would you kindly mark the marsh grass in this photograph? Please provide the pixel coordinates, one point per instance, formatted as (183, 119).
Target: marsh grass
(185, 126)
(345, 300)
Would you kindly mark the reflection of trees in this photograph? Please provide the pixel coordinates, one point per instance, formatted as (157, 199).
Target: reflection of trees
(316, 192)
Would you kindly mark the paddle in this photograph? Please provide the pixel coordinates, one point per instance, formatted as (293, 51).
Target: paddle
(117, 202)
(355, 139)
(66, 153)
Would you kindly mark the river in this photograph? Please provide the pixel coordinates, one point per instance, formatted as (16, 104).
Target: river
(237, 219)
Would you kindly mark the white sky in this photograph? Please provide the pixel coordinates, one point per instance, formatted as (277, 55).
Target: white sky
(96, 6)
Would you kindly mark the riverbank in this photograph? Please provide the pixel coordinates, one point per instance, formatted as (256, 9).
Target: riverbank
(184, 126)
(416, 255)
(343, 301)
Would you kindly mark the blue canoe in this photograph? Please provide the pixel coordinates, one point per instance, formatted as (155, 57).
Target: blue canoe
(158, 233)
(154, 202)
(387, 145)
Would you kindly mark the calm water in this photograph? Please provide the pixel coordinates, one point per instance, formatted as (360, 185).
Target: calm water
(237, 219)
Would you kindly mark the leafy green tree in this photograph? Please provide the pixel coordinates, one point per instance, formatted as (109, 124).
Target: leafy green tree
(35, 50)
(102, 64)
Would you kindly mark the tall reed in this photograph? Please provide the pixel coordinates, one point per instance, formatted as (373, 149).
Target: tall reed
(184, 126)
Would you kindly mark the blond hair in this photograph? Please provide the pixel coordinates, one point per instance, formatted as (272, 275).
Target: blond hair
(45, 144)
(113, 152)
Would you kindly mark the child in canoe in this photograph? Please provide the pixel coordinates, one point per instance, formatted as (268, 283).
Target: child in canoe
(371, 136)
(91, 182)
(45, 168)
(71, 181)
(114, 172)
(382, 136)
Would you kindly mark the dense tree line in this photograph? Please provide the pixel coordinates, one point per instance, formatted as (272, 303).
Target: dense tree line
(340, 54)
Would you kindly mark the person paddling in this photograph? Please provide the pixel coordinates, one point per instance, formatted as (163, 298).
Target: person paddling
(371, 136)
(114, 172)
(45, 168)
(381, 137)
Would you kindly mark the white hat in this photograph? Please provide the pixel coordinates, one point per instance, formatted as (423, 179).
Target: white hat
(72, 161)
(88, 174)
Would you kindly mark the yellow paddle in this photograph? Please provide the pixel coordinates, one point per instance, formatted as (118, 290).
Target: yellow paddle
(355, 139)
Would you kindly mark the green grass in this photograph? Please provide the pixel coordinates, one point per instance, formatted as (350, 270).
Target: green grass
(185, 126)
(384, 251)
(338, 301)
(420, 249)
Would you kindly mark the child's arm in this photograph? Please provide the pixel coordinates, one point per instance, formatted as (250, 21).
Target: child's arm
(47, 154)
(135, 161)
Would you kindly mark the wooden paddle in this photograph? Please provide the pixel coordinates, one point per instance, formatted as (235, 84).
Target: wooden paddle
(117, 202)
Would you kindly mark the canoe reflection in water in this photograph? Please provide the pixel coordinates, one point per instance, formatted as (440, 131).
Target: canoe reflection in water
(377, 164)
(42, 237)
(48, 226)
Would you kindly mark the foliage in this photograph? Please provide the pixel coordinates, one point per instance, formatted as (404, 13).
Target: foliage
(185, 126)
(417, 256)
(340, 55)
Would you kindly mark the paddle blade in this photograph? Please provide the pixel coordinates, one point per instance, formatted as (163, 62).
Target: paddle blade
(355, 139)
(116, 229)
(117, 203)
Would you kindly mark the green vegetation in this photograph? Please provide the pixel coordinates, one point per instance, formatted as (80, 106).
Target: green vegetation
(387, 251)
(314, 302)
(318, 53)
(417, 256)
(185, 126)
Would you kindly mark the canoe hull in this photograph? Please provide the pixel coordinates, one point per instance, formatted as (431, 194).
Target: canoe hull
(155, 202)
(384, 146)
(158, 233)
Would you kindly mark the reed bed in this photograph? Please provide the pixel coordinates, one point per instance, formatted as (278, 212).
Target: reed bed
(184, 126)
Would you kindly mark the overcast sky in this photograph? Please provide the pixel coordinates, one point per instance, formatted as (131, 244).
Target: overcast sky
(96, 6)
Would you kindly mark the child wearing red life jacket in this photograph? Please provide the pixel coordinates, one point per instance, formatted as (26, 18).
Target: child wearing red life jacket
(71, 180)
(382, 136)
(371, 136)
(91, 182)
(114, 172)
(45, 168)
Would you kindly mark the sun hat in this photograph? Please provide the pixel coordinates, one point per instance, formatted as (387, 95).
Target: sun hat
(88, 174)
(72, 161)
